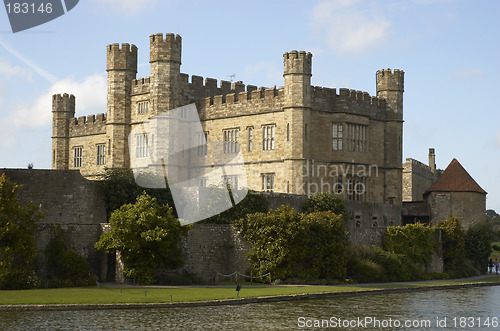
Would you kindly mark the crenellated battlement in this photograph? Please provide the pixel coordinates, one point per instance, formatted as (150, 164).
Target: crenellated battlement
(122, 57)
(63, 102)
(297, 62)
(89, 119)
(141, 85)
(165, 48)
(253, 94)
(389, 80)
(360, 97)
(87, 125)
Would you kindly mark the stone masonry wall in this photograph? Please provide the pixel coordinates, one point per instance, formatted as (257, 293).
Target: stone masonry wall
(71, 201)
(214, 248)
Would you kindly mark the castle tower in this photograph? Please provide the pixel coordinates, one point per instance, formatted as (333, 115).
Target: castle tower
(297, 111)
(63, 109)
(122, 69)
(165, 60)
(390, 86)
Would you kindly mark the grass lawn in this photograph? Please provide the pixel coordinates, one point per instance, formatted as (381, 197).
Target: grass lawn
(181, 294)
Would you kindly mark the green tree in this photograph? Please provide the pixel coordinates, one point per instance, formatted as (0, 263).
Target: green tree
(147, 236)
(64, 264)
(478, 245)
(120, 188)
(289, 244)
(414, 241)
(18, 223)
(253, 202)
(326, 202)
(453, 239)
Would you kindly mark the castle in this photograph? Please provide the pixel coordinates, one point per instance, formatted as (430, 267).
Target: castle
(431, 195)
(297, 139)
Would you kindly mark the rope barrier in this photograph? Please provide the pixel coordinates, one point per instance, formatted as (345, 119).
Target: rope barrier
(243, 275)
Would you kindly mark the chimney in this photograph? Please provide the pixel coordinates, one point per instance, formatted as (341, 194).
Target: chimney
(432, 160)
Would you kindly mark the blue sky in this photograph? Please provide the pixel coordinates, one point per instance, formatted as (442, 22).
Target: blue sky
(449, 50)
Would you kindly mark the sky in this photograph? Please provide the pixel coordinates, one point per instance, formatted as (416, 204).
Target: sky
(448, 49)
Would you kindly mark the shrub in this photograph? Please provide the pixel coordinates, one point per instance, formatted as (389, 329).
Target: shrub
(478, 245)
(147, 236)
(414, 241)
(326, 202)
(453, 238)
(18, 223)
(64, 265)
(289, 244)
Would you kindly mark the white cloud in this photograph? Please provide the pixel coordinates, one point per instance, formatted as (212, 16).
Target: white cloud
(90, 96)
(130, 6)
(39, 70)
(8, 71)
(348, 28)
(467, 73)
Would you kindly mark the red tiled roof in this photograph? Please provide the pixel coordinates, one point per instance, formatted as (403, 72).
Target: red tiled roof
(456, 179)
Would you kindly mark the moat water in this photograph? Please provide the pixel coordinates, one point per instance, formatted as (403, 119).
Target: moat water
(456, 309)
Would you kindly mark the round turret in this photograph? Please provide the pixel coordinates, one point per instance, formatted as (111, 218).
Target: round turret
(387, 80)
(390, 86)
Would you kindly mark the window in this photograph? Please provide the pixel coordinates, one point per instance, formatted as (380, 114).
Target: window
(231, 180)
(101, 154)
(338, 186)
(142, 147)
(231, 141)
(77, 156)
(356, 188)
(202, 181)
(268, 137)
(356, 138)
(357, 217)
(250, 139)
(267, 182)
(337, 134)
(288, 132)
(203, 144)
(143, 107)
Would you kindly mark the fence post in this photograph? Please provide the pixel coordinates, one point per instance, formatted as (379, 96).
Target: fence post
(251, 278)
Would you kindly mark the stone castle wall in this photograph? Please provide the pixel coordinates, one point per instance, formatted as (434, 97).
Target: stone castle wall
(417, 178)
(468, 207)
(70, 201)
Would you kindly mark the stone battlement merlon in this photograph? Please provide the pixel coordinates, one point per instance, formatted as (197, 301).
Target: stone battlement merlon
(165, 48)
(362, 98)
(89, 119)
(87, 125)
(262, 93)
(389, 80)
(141, 85)
(122, 57)
(297, 62)
(63, 102)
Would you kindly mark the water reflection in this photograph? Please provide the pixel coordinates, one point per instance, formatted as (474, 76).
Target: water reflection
(480, 303)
